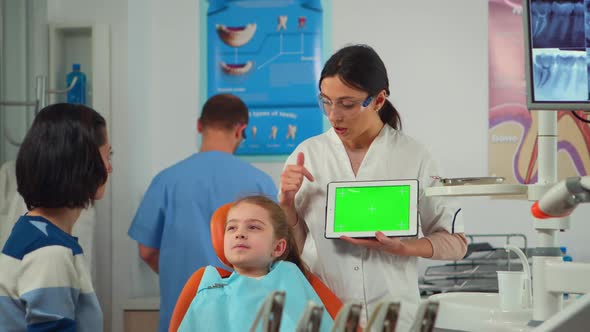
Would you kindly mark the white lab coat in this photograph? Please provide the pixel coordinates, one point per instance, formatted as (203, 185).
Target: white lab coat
(353, 272)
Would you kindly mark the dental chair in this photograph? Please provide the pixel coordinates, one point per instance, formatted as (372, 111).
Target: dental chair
(329, 300)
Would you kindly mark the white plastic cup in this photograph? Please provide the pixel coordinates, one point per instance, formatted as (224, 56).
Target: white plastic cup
(511, 290)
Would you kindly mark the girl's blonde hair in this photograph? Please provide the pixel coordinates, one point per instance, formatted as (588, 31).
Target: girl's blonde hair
(280, 227)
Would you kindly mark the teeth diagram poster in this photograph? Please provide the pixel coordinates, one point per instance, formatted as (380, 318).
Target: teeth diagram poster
(512, 134)
(269, 53)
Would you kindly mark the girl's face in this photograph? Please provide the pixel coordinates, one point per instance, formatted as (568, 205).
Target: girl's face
(249, 242)
(105, 153)
(348, 110)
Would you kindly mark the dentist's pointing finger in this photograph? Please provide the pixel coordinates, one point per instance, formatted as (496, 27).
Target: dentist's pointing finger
(304, 171)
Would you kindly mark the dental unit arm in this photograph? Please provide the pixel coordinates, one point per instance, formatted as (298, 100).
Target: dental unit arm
(551, 276)
(562, 198)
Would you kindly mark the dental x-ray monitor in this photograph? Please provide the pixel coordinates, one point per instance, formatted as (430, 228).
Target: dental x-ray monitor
(557, 50)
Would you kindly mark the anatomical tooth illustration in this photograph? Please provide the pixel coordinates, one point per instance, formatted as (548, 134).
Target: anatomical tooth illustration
(236, 68)
(301, 22)
(291, 131)
(254, 129)
(236, 36)
(273, 132)
(282, 23)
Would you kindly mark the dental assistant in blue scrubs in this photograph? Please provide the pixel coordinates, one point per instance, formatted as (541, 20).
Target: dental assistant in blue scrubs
(171, 224)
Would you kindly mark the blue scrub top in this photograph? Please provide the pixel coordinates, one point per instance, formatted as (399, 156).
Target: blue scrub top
(176, 210)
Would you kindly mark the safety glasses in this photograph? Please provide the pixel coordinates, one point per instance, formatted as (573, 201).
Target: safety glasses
(346, 106)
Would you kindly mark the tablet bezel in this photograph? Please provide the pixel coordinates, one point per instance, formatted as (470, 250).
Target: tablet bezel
(329, 233)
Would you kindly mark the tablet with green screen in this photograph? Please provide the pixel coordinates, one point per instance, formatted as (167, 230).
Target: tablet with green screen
(361, 208)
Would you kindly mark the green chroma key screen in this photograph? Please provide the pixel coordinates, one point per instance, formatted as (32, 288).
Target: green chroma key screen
(359, 209)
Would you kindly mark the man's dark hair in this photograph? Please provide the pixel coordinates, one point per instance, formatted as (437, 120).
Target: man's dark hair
(59, 162)
(224, 111)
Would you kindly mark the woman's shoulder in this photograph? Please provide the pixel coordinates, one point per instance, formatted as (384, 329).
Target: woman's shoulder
(405, 142)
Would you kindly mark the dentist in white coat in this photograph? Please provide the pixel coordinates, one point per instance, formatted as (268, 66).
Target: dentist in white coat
(366, 143)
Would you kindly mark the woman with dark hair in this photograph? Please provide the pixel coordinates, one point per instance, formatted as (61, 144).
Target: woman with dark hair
(365, 143)
(62, 166)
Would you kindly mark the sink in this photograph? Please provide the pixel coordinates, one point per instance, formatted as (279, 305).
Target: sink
(478, 312)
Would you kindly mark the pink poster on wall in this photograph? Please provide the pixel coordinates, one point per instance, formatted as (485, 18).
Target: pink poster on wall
(512, 141)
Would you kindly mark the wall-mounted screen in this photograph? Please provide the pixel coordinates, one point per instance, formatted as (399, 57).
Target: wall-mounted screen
(557, 44)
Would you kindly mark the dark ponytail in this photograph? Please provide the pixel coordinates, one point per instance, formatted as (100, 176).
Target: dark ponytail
(360, 67)
(390, 115)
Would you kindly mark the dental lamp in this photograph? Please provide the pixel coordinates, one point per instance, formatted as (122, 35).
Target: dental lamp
(562, 198)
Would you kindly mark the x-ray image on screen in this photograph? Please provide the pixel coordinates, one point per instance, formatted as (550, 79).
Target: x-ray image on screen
(560, 75)
(558, 24)
(557, 35)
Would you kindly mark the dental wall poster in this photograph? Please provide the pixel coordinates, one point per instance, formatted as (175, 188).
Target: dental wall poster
(269, 53)
(512, 134)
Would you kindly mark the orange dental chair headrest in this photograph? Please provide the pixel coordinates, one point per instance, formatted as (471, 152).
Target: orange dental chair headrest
(218, 230)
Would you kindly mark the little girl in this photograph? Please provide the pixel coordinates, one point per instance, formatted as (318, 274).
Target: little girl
(260, 246)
